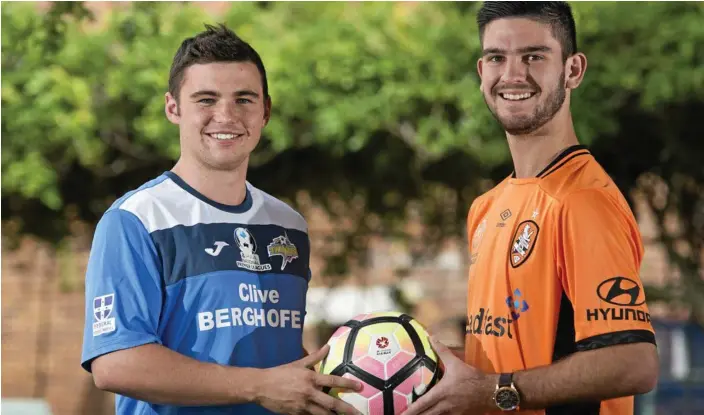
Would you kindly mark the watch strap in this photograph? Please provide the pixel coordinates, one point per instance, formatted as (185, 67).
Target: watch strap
(505, 380)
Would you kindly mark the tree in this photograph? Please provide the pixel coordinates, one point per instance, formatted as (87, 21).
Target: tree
(655, 92)
(377, 113)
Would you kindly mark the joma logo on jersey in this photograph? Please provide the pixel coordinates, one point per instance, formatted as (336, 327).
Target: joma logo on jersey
(523, 242)
(219, 245)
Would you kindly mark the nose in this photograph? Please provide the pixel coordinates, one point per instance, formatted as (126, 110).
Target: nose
(226, 112)
(515, 71)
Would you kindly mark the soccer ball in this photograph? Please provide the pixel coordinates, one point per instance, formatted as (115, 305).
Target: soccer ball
(390, 354)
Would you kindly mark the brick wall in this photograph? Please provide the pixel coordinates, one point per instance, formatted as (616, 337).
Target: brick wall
(42, 328)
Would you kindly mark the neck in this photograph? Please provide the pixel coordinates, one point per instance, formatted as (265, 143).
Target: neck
(223, 186)
(532, 152)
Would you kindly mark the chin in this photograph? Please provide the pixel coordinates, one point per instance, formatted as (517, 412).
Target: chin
(229, 163)
(225, 165)
(521, 130)
(519, 126)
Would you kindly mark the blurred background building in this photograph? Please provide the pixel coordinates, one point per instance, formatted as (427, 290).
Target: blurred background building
(379, 98)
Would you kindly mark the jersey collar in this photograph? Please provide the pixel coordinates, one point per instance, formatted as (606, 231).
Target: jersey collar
(567, 154)
(241, 208)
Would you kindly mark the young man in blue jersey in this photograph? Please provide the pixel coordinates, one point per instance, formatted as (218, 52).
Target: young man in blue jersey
(196, 284)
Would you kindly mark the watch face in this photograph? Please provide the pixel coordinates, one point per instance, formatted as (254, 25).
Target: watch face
(507, 399)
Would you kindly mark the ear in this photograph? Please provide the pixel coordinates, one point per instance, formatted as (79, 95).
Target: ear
(575, 67)
(171, 108)
(267, 110)
(480, 68)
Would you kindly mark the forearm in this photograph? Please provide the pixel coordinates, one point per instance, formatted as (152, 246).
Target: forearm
(458, 351)
(593, 375)
(155, 374)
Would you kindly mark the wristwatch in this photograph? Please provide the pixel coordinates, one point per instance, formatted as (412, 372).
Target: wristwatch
(506, 396)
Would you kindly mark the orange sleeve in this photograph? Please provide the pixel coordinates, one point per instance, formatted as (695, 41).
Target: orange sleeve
(470, 232)
(476, 211)
(469, 226)
(600, 251)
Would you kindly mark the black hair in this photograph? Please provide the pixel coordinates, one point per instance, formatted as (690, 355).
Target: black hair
(557, 14)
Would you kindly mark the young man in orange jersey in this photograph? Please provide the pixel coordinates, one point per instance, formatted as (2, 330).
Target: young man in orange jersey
(557, 316)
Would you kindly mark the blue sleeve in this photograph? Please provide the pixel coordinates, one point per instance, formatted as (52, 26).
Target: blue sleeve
(123, 294)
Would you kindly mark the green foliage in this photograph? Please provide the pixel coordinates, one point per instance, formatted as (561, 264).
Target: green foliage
(375, 103)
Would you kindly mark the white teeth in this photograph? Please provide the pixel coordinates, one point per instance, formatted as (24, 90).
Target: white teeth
(517, 97)
(223, 136)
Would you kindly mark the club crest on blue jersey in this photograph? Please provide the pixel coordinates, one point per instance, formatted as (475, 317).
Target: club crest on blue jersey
(248, 248)
(102, 309)
(283, 247)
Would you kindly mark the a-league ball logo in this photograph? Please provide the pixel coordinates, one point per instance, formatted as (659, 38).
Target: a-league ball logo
(382, 342)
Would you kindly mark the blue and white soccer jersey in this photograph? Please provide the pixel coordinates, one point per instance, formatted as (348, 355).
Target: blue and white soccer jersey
(217, 283)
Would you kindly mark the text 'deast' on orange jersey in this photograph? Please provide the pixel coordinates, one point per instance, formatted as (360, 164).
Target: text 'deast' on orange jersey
(554, 270)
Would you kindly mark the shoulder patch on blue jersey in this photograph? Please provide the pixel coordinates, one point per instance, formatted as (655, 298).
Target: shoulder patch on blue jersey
(102, 310)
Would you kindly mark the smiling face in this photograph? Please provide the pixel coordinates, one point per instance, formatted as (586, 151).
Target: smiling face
(221, 112)
(522, 73)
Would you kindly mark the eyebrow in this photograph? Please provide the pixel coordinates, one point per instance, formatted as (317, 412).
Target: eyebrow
(246, 93)
(240, 93)
(527, 49)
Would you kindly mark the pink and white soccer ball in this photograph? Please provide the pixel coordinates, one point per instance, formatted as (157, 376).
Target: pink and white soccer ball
(390, 354)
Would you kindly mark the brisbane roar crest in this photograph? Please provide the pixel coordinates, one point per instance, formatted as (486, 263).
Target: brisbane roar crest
(523, 242)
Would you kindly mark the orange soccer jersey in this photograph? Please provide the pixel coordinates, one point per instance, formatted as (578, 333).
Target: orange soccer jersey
(554, 270)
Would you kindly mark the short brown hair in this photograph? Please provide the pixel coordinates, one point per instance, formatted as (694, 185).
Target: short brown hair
(215, 44)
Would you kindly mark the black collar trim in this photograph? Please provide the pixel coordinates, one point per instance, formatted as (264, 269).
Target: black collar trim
(576, 151)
